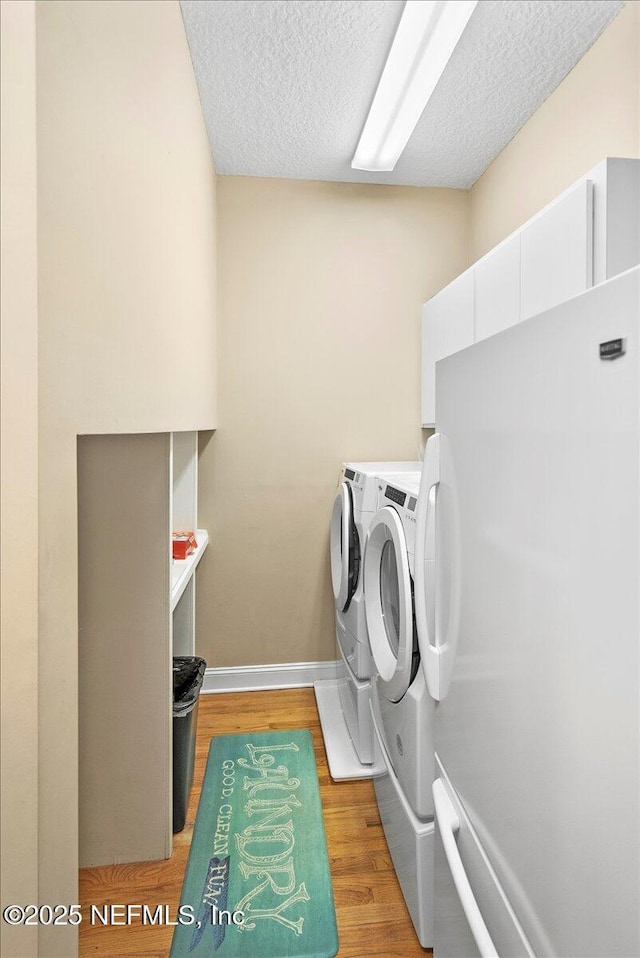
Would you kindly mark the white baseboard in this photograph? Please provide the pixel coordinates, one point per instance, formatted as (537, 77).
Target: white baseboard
(256, 678)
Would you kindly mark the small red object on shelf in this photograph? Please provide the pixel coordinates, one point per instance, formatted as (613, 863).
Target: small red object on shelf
(183, 544)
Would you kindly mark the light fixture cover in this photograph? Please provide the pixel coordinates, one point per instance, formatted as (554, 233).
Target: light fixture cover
(426, 37)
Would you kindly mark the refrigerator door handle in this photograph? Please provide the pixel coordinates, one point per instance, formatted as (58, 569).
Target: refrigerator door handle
(436, 576)
(425, 566)
(448, 825)
(447, 572)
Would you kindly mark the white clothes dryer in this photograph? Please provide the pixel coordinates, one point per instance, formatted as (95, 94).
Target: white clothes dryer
(361, 483)
(403, 709)
(344, 704)
(353, 509)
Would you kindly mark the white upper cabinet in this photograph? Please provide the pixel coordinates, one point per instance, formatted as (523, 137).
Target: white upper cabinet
(455, 318)
(587, 235)
(447, 326)
(616, 217)
(556, 261)
(497, 289)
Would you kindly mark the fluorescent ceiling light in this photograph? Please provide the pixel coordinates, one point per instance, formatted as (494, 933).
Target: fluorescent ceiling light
(426, 37)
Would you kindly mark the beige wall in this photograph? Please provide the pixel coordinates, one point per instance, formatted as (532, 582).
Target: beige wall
(320, 293)
(126, 233)
(19, 465)
(126, 209)
(595, 112)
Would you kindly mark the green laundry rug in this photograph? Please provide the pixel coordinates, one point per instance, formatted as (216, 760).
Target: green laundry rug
(257, 883)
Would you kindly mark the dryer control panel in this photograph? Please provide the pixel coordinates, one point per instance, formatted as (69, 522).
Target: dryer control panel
(401, 498)
(395, 495)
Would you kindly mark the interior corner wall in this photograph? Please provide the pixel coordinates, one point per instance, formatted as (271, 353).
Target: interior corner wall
(593, 113)
(127, 303)
(19, 467)
(319, 320)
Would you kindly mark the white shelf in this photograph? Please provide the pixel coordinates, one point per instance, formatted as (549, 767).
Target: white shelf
(183, 569)
(343, 761)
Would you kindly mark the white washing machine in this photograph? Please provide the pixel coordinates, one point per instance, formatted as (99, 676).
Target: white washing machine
(344, 704)
(353, 509)
(402, 710)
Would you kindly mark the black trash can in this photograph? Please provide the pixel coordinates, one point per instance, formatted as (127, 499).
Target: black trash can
(188, 673)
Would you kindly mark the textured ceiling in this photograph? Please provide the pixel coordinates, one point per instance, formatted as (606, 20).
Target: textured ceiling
(286, 85)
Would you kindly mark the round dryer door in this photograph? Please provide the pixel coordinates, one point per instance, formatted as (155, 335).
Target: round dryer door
(345, 548)
(388, 599)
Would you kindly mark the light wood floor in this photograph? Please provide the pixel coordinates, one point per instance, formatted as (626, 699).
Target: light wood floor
(372, 917)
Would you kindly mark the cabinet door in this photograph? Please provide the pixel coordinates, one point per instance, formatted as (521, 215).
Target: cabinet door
(557, 251)
(616, 217)
(497, 289)
(447, 326)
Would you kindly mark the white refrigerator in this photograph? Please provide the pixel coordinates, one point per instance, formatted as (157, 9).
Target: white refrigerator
(535, 661)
